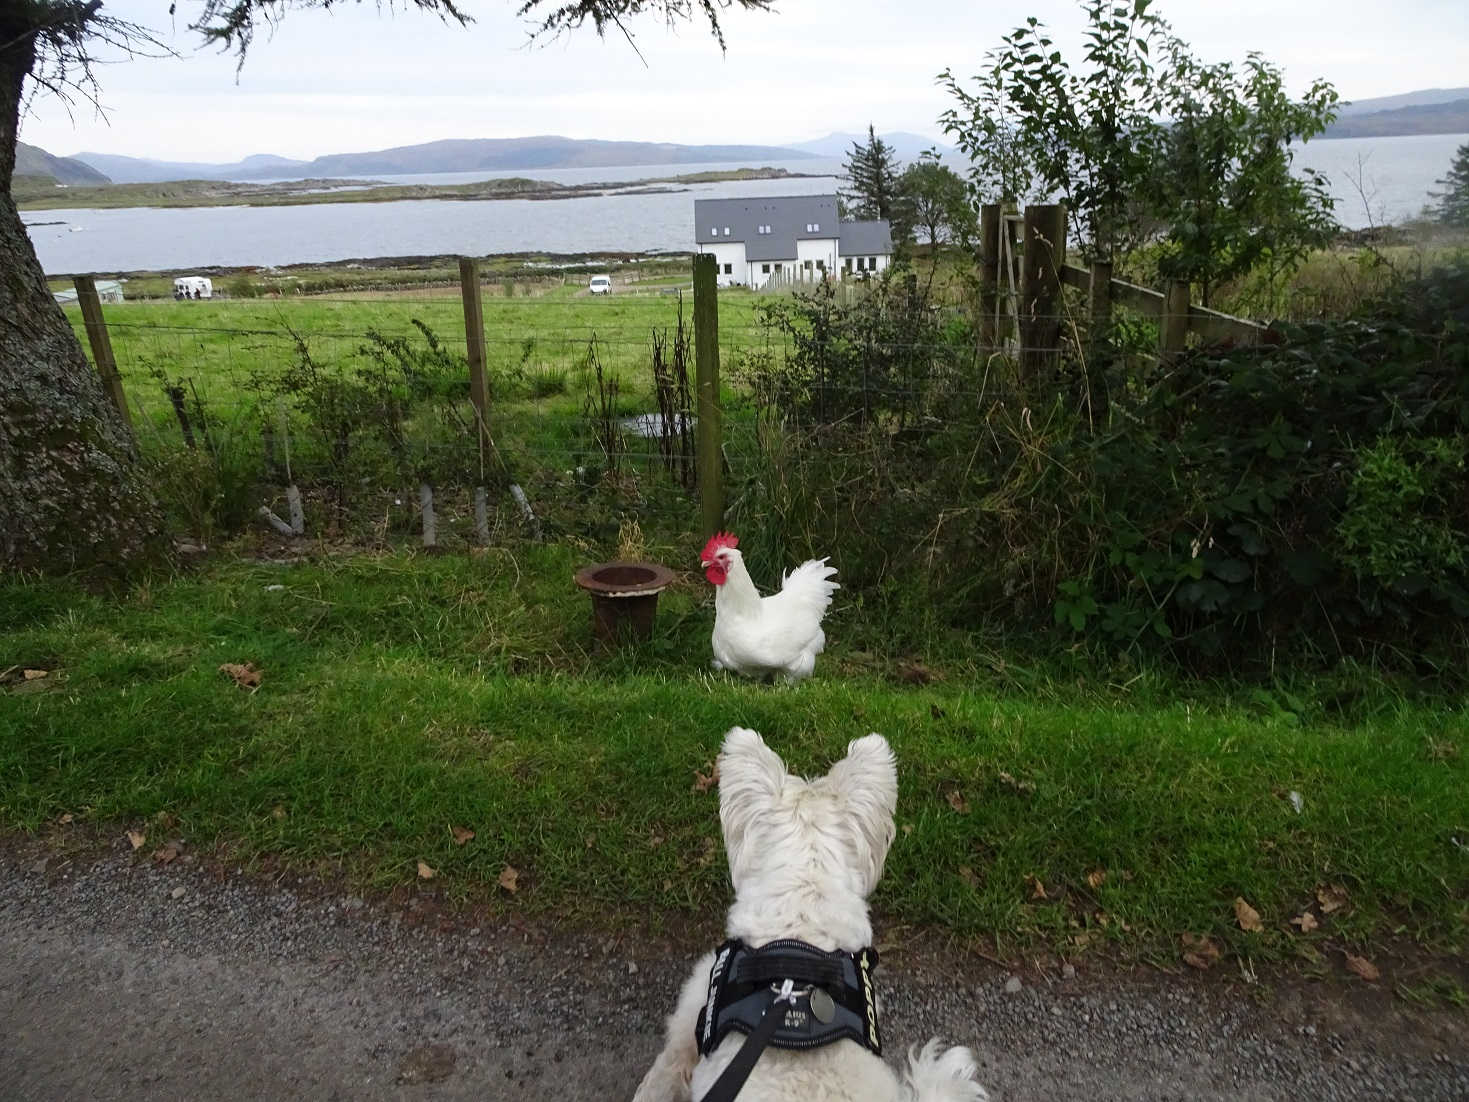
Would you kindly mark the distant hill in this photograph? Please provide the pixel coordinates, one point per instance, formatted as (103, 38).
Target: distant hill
(545, 151)
(455, 155)
(1428, 118)
(907, 146)
(1421, 98)
(32, 160)
(136, 170)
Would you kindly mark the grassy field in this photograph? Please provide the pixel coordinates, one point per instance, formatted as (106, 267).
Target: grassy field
(218, 344)
(402, 697)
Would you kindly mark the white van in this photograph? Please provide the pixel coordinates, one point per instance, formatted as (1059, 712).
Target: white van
(600, 285)
(193, 287)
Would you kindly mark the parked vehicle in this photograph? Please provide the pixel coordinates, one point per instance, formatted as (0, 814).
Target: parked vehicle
(600, 285)
(193, 287)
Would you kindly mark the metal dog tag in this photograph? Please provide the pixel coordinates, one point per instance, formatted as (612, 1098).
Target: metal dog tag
(822, 1006)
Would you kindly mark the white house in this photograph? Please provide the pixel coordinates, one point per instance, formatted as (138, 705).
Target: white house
(796, 238)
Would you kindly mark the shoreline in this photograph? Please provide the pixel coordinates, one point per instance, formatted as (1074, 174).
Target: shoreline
(225, 193)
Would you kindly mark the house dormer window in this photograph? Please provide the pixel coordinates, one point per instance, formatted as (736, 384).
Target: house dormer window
(713, 231)
(726, 231)
(815, 227)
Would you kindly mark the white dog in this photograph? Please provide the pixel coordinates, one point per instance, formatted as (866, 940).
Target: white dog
(803, 857)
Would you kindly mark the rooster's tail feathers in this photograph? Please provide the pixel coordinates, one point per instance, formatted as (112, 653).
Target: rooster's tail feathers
(811, 583)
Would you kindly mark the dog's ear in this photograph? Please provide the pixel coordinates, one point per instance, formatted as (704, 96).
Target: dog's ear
(867, 782)
(751, 776)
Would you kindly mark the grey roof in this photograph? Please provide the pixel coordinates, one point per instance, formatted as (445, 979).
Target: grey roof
(787, 216)
(866, 238)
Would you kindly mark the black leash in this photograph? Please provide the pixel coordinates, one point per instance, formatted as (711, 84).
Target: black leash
(728, 1084)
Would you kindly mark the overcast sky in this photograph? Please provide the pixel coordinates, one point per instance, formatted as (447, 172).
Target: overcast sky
(358, 79)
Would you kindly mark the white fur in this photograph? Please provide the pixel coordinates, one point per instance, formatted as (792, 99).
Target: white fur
(803, 856)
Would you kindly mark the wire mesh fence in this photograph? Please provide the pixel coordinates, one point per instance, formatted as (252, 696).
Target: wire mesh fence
(362, 402)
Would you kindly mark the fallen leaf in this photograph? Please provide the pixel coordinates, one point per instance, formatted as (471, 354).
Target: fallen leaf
(1363, 967)
(427, 1064)
(164, 819)
(167, 853)
(278, 812)
(1247, 917)
(706, 854)
(1306, 921)
(1037, 889)
(907, 829)
(704, 781)
(957, 801)
(1096, 878)
(426, 872)
(137, 838)
(1297, 801)
(1199, 951)
(509, 878)
(66, 818)
(1019, 786)
(1332, 897)
(655, 840)
(246, 676)
(34, 675)
(967, 875)
(461, 835)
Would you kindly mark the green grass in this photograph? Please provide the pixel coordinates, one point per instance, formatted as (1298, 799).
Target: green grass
(220, 344)
(404, 695)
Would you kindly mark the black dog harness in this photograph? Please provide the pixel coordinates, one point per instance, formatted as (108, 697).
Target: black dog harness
(788, 994)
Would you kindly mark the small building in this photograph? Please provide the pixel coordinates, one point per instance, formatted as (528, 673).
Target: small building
(790, 238)
(108, 290)
(193, 287)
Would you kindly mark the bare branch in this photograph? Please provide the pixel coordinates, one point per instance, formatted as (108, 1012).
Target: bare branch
(572, 14)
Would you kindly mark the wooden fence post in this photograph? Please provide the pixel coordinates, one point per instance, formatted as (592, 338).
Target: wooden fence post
(989, 274)
(1173, 325)
(710, 417)
(1040, 285)
(474, 340)
(101, 343)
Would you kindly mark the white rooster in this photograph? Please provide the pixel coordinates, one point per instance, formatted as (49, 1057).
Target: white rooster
(754, 635)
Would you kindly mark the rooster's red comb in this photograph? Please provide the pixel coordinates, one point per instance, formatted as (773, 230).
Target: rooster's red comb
(716, 541)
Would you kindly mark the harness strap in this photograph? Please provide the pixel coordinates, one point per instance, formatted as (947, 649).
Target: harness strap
(770, 965)
(738, 1070)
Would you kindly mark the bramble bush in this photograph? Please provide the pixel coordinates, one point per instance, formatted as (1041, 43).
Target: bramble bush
(1237, 507)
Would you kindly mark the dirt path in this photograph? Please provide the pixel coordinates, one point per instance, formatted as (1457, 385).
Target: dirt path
(124, 980)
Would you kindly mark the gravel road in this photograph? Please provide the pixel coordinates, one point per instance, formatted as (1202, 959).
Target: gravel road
(124, 979)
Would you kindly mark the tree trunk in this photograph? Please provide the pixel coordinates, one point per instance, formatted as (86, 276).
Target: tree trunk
(71, 492)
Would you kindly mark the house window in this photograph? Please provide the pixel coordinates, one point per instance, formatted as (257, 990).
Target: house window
(861, 263)
(765, 269)
(848, 264)
(815, 227)
(872, 263)
(808, 227)
(726, 231)
(728, 269)
(713, 231)
(821, 265)
(808, 265)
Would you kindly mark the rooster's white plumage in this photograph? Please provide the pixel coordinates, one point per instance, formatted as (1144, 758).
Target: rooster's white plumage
(780, 634)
